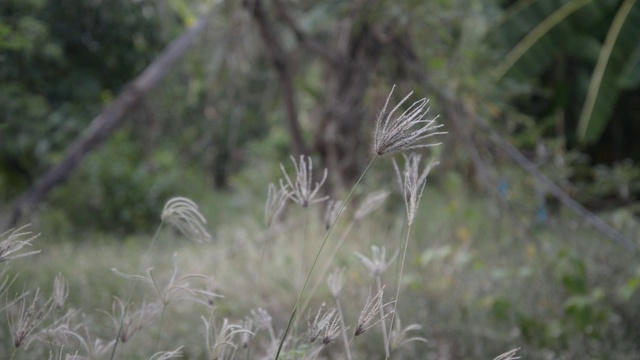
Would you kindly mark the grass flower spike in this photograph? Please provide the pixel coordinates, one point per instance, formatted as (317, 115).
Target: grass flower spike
(184, 215)
(406, 132)
(14, 241)
(412, 181)
(369, 312)
(28, 317)
(377, 263)
(276, 200)
(302, 192)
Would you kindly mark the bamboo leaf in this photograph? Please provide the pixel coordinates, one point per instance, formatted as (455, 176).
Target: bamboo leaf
(536, 35)
(630, 75)
(603, 91)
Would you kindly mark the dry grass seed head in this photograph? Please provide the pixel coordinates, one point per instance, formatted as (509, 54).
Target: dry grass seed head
(224, 343)
(377, 263)
(400, 337)
(186, 217)
(406, 132)
(276, 200)
(332, 330)
(28, 316)
(166, 355)
(319, 323)
(177, 287)
(132, 321)
(371, 203)
(59, 331)
(412, 181)
(60, 291)
(302, 191)
(509, 355)
(334, 282)
(14, 241)
(334, 209)
(370, 311)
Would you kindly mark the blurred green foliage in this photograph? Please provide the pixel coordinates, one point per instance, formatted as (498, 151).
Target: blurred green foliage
(60, 62)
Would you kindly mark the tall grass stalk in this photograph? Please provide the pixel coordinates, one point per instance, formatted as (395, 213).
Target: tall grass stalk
(315, 260)
(413, 182)
(132, 288)
(185, 216)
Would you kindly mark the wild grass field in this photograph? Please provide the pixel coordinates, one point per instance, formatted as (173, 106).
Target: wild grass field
(479, 280)
(410, 264)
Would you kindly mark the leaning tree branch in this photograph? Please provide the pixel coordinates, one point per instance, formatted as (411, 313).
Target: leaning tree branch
(101, 127)
(590, 218)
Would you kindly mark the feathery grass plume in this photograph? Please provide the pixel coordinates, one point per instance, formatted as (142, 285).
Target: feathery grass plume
(377, 263)
(129, 323)
(370, 310)
(400, 337)
(407, 131)
(245, 338)
(371, 203)
(413, 181)
(334, 209)
(176, 289)
(509, 355)
(221, 343)
(60, 291)
(59, 332)
(302, 192)
(320, 321)
(332, 329)
(263, 320)
(15, 240)
(5, 283)
(186, 217)
(276, 200)
(28, 316)
(94, 348)
(334, 282)
(166, 355)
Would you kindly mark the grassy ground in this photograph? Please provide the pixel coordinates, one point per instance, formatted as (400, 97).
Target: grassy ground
(480, 278)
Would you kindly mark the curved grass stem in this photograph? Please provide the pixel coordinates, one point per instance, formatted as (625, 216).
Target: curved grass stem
(294, 312)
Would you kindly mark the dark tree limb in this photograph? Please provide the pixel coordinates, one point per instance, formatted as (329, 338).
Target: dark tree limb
(101, 127)
(283, 67)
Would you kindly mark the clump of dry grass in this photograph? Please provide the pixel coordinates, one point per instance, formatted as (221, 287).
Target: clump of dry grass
(253, 335)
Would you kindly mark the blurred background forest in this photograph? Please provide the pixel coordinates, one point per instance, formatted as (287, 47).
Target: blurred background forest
(541, 99)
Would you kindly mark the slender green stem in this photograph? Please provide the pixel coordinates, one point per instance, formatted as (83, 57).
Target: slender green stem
(313, 265)
(327, 264)
(345, 339)
(399, 284)
(131, 289)
(383, 323)
(164, 307)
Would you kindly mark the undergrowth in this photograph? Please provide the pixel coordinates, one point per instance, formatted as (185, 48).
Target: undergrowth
(392, 270)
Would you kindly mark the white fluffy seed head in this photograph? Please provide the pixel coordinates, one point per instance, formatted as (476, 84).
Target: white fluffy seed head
(186, 217)
(408, 131)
